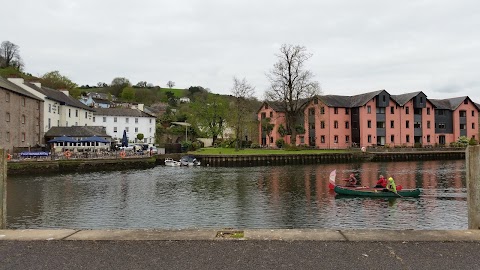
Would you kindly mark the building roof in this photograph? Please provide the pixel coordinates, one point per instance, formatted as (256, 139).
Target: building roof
(59, 96)
(349, 101)
(77, 131)
(6, 84)
(449, 103)
(101, 100)
(121, 112)
(404, 98)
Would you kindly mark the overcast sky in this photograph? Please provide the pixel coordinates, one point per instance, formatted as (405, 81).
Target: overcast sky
(357, 45)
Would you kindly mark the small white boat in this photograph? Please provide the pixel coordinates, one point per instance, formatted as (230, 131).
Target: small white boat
(189, 161)
(171, 162)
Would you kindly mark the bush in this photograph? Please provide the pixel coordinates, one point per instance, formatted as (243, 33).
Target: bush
(280, 143)
(417, 145)
(255, 145)
(473, 141)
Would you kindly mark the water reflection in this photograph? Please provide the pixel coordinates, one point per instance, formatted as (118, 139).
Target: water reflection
(258, 197)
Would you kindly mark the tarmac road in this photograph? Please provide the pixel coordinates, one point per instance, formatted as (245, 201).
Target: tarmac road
(255, 249)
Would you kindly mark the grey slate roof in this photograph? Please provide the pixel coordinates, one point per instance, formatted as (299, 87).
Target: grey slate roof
(449, 103)
(404, 98)
(121, 112)
(59, 96)
(77, 131)
(349, 101)
(6, 84)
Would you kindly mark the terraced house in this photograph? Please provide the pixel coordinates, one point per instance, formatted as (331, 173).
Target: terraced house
(21, 117)
(374, 119)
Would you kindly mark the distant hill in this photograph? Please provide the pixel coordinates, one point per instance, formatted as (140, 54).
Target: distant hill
(12, 72)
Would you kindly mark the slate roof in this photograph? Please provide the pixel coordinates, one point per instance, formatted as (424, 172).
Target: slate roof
(77, 131)
(59, 96)
(121, 112)
(101, 100)
(404, 98)
(6, 84)
(349, 101)
(449, 103)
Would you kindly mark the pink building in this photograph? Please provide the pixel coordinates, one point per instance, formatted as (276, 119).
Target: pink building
(375, 119)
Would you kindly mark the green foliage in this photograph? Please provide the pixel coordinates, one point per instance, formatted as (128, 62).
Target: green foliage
(255, 145)
(462, 141)
(209, 115)
(140, 136)
(282, 130)
(417, 145)
(280, 143)
(128, 94)
(300, 129)
(472, 141)
(55, 80)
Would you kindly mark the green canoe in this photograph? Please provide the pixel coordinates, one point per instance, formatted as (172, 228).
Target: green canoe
(375, 192)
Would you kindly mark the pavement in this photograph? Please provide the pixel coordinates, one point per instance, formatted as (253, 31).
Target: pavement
(240, 249)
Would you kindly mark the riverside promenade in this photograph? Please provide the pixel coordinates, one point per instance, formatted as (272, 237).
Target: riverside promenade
(239, 249)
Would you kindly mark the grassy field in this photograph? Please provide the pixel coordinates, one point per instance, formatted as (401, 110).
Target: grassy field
(259, 151)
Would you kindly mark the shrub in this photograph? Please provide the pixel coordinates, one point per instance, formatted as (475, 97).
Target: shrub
(417, 145)
(473, 141)
(280, 143)
(255, 145)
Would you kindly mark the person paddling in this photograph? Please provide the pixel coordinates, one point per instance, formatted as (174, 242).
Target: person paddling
(382, 182)
(352, 181)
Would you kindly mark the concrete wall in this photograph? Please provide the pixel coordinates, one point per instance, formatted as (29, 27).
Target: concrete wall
(3, 189)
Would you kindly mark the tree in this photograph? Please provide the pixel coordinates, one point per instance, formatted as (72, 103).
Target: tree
(118, 84)
(10, 55)
(55, 80)
(141, 84)
(241, 91)
(128, 94)
(291, 84)
(102, 85)
(209, 115)
(172, 100)
(140, 136)
(170, 84)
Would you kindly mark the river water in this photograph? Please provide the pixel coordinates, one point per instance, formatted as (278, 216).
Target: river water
(294, 196)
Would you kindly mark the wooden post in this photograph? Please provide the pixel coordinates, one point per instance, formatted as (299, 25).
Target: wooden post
(473, 186)
(3, 189)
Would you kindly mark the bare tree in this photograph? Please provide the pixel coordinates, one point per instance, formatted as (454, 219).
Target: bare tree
(291, 84)
(242, 91)
(10, 55)
(170, 84)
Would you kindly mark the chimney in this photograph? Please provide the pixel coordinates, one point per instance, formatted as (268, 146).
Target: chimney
(37, 84)
(65, 91)
(140, 107)
(16, 81)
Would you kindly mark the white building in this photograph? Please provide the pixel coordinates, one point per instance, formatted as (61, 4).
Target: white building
(133, 121)
(60, 109)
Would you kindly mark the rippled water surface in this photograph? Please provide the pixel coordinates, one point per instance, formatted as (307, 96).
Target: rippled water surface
(250, 197)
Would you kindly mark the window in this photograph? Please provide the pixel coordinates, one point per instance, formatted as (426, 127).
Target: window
(302, 139)
(407, 138)
(7, 117)
(150, 120)
(347, 111)
(115, 119)
(322, 124)
(354, 124)
(115, 129)
(49, 107)
(428, 111)
(407, 124)
(69, 113)
(392, 110)
(383, 98)
(421, 100)
(380, 124)
(94, 119)
(150, 130)
(8, 136)
(441, 126)
(392, 138)
(335, 124)
(428, 138)
(335, 139)
(463, 126)
(266, 106)
(463, 113)
(104, 119)
(312, 126)
(66, 124)
(315, 101)
(347, 125)
(126, 120)
(23, 102)
(369, 138)
(465, 101)
(347, 138)
(271, 114)
(322, 110)
(271, 139)
(407, 110)
(126, 129)
(381, 110)
(417, 111)
(473, 113)
(86, 115)
(7, 97)
(369, 109)
(136, 129)
(49, 123)
(428, 124)
(23, 119)
(76, 113)
(440, 112)
(473, 125)
(335, 110)
(417, 125)
(23, 136)
(369, 124)
(322, 139)
(264, 115)
(311, 111)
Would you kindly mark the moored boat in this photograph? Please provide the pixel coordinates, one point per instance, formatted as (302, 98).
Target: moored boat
(376, 192)
(171, 162)
(189, 161)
